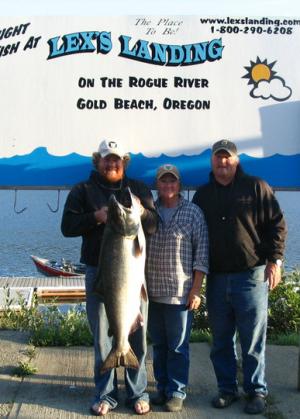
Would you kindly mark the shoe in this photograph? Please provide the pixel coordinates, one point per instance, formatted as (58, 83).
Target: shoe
(256, 404)
(159, 399)
(174, 404)
(224, 400)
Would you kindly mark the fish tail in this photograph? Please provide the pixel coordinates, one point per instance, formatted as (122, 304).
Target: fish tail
(130, 360)
(117, 359)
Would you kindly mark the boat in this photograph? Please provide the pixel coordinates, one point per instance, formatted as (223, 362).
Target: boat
(50, 267)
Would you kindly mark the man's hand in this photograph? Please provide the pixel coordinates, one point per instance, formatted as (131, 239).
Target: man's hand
(138, 201)
(101, 215)
(273, 274)
(193, 301)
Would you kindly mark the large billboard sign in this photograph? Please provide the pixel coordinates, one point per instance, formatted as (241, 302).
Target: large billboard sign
(166, 86)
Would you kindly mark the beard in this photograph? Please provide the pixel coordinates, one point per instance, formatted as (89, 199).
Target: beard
(113, 176)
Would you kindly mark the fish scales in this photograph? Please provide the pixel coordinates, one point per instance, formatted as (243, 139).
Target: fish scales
(121, 279)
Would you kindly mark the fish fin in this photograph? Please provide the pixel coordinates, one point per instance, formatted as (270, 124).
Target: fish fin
(130, 360)
(138, 250)
(139, 321)
(117, 359)
(139, 242)
(144, 294)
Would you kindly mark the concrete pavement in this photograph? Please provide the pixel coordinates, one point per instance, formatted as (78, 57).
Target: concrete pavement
(63, 385)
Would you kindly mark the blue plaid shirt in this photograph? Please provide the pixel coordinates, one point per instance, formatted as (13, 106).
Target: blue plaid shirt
(176, 250)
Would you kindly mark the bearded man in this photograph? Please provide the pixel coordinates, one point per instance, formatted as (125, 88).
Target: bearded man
(85, 215)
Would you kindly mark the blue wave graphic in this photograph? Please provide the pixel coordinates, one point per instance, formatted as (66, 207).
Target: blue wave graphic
(41, 169)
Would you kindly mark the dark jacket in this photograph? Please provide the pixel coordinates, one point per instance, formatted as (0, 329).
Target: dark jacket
(86, 197)
(245, 223)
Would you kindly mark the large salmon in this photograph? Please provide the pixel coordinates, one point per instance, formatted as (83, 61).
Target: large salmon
(120, 277)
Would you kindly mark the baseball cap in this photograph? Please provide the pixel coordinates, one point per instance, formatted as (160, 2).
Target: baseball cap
(107, 147)
(167, 169)
(225, 145)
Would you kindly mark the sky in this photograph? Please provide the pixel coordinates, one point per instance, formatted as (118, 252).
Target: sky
(267, 8)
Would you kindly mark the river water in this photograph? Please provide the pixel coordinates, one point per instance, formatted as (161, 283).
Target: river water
(36, 231)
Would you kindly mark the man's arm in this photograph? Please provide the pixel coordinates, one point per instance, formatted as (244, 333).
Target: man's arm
(75, 220)
(275, 231)
(149, 215)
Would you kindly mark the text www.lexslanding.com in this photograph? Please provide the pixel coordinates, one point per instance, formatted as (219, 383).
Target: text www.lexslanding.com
(246, 25)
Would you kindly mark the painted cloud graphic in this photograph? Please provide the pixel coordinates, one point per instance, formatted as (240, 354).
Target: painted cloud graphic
(275, 89)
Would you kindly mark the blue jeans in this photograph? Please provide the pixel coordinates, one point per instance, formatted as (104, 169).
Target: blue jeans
(239, 302)
(106, 384)
(169, 327)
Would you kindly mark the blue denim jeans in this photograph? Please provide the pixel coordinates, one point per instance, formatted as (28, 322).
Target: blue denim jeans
(169, 327)
(106, 384)
(238, 302)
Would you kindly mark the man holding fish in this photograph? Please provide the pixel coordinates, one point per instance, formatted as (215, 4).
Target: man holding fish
(112, 212)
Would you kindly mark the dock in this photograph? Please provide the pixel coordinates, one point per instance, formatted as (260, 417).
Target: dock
(43, 281)
(60, 289)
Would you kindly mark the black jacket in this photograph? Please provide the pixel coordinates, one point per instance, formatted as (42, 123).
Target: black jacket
(245, 224)
(86, 197)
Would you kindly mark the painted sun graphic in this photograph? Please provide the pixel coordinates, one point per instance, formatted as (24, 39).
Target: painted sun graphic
(266, 84)
(259, 70)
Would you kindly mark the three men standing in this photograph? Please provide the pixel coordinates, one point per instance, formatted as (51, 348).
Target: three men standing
(247, 234)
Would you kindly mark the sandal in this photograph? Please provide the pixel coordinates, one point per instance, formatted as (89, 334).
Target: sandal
(141, 407)
(100, 408)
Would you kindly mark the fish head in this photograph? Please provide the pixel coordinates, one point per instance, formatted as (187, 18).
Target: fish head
(124, 217)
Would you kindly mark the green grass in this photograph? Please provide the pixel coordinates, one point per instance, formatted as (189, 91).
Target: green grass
(291, 339)
(48, 326)
(200, 336)
(24, 369)
(52, 327)
(30, 351)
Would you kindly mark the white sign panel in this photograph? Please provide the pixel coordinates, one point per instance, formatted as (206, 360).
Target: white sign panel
(166, 86)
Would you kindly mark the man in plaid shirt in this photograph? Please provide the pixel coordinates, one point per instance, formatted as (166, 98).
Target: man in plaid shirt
(177, 261)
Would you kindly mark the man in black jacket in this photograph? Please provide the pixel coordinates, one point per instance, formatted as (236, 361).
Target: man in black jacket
(85, 215)
(247, 235)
